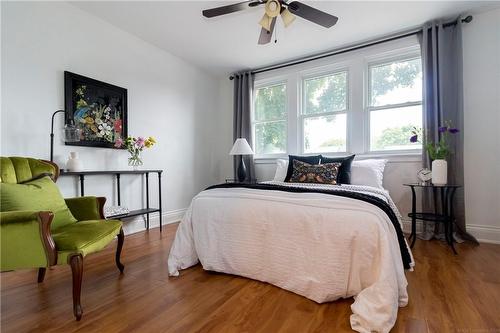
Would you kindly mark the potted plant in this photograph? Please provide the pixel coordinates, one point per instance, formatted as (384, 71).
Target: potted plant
(135, 146)
(438, 151)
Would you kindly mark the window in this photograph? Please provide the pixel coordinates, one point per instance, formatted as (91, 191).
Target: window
(324, 118)
(270, 120)
(363, 102)
(394, 103)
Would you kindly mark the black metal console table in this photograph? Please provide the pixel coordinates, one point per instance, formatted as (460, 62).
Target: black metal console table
(445, 193)
(117, 173)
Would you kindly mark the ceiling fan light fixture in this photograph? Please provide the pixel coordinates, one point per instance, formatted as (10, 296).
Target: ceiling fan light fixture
(265, 22)
(289, 10)
(273, 8)
(287, 17)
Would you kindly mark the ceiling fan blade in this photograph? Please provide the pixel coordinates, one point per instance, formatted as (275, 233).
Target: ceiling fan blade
(312, 14)
(223, 10)
(265, 36)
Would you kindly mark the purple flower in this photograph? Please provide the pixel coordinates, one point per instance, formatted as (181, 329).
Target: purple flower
(414, 138)
(454, 130)
(442, 129)
(140, 142)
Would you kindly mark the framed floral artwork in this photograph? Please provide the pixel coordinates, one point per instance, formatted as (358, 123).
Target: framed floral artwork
(97, 108)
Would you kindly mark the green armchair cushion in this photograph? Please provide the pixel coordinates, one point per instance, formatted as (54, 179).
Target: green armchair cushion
(84, 237)
(20, 169)
(84, 208)
(28, 253)
(40, 194)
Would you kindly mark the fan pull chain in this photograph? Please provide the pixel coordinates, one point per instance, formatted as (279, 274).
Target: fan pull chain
(276, 34)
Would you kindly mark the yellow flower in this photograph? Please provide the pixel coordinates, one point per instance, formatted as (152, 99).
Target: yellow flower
(149, 142)
(89, 120)
(93, 128)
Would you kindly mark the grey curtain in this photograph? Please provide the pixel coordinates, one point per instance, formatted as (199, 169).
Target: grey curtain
(441, 48)
(242, 125)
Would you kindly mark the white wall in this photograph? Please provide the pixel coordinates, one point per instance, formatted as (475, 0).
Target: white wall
(481, 42)
(225, 129)
(167, 98)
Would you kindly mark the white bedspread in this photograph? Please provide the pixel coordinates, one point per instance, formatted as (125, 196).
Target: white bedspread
(321, 246)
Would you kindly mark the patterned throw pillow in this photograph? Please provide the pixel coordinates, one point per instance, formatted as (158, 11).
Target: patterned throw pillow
(314, 173)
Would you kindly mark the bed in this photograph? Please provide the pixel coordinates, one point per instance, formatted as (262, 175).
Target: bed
(323, 242)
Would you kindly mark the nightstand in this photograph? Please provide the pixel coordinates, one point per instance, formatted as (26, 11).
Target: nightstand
(443, 213)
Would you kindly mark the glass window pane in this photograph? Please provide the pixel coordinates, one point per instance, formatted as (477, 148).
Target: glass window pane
(325, 94)
(390, 129)
(325, 134)
(270, 103)
(270, 138)
(396, 82)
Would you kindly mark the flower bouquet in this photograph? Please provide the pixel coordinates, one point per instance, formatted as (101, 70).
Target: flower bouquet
(135, 146)
(438, 151)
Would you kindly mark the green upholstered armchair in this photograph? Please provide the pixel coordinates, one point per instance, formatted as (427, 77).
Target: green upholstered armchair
(39, 228)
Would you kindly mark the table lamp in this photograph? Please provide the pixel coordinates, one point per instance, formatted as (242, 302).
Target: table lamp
(241, 147)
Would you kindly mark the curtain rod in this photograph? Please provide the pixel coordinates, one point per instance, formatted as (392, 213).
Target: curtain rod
(389, 38)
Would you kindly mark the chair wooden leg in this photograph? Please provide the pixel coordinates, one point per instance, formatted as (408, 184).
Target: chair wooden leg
(76, 262)
(41, 274)
(121, 239)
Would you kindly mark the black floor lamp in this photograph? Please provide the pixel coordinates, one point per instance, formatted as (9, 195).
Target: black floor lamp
(241, 147)
(71, 133)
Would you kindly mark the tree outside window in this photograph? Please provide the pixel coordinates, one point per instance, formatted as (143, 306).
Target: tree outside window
(270, 120)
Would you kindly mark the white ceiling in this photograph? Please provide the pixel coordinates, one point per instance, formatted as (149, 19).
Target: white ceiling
(229, 43)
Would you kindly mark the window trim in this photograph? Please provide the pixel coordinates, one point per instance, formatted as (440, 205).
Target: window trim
(356, 64)
(271, 82)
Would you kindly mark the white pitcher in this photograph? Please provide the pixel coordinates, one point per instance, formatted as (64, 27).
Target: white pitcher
(74, 163)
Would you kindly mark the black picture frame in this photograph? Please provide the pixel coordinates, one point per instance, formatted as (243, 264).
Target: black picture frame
(98, 108)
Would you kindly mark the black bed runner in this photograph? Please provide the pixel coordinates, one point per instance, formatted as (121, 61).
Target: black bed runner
(405, 255)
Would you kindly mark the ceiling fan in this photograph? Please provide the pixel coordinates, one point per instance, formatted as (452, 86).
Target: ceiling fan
(273, 8)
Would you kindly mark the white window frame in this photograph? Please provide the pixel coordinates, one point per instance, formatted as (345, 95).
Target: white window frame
(263, 84)
(340, 68)
(381, 59)
(358, 126)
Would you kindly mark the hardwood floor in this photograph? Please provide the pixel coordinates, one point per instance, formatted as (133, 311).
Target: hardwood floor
(447, 294)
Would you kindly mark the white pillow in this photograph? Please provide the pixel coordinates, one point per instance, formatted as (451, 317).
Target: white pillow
(281, 170)
(368, 172)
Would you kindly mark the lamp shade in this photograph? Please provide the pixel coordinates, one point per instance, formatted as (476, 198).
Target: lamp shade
(241, 147)
(265, 22)
(287, 17)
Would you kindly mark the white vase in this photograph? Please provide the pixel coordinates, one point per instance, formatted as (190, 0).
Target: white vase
(74, 163)
(439, 172)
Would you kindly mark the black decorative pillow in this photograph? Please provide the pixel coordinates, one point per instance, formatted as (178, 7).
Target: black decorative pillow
(344, 176)
(315, 159)
(320, 173)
